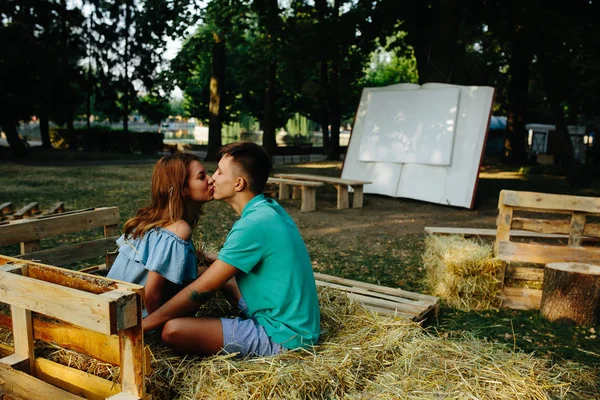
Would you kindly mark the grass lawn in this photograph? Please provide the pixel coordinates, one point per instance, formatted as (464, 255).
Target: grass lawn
(381, 243)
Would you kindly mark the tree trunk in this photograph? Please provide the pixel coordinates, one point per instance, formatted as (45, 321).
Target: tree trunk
(126, 74)
(518, 92)
(14, 141)
(334, 148)
(433, 35)
(325, 105)
(269, 142)
(571, 293)
(45, 130)
(217, 90)
(552, 82)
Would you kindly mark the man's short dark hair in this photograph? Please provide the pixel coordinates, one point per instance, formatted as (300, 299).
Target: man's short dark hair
(253, 160)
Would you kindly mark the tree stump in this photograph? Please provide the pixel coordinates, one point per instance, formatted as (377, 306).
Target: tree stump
(571, 293)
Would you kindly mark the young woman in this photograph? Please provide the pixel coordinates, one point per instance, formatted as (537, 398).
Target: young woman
(156, 248)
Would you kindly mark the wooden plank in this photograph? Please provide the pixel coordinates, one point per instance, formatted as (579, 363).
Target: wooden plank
(20, 385)
(28, 210)
(25, 231)
(56, 208)
(23, 336)
(131, 344)
(99, 346)
(546, 201)
(543, 254)
(542, 226)
(521, 298)
(84, 309)
(23, 331)
(503, 221)
(74, 381)
(72, 253)
(525, 273)
(357, 290)
(321, 178)
(375, 288)
(294, 182)
(489, 232)
(110, 231)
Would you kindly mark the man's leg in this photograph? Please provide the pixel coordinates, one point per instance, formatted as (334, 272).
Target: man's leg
(194, 335)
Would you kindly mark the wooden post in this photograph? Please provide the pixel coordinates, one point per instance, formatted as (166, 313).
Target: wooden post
(357, 199)
(309, 199)
(111, 230)
(577, 228)
(296, 193)
(284, 191)
(571, 293)
(342, 196)
(24, 358)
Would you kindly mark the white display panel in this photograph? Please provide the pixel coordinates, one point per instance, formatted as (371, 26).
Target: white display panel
(452, 184)
(403, 126)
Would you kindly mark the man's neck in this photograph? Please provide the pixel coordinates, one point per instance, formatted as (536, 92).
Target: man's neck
(239, 201)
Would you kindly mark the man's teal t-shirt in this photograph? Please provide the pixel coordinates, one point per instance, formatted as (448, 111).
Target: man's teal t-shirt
(276, 277)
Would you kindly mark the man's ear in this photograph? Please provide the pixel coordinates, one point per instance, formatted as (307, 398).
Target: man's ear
(240, 184)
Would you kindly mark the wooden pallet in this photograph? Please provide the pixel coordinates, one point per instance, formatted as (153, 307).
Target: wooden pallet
(30, 232)
(30, 210)
(96, 316)
(574, 226)
(385, 300)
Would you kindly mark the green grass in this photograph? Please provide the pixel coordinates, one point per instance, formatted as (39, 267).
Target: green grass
(371, 245)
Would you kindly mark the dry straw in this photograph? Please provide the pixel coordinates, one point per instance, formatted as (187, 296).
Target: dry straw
(362, 355)
(463, 272)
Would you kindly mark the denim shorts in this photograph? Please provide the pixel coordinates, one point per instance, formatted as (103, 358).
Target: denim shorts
(243, 335)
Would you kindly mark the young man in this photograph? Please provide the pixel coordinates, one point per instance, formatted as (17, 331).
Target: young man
(264, 267)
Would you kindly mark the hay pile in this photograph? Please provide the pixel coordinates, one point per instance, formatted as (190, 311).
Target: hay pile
(463, 272)
(362, 355)
(365, 356)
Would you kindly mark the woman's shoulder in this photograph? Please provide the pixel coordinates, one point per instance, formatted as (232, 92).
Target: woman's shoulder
(181, 229)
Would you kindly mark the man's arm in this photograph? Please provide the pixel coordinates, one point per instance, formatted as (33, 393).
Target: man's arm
(192, 296)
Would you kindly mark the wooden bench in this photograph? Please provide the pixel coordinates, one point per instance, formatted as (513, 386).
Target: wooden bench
(92, 315)
(30, 232)
(340, 184)
(382, 299)
(308, 190)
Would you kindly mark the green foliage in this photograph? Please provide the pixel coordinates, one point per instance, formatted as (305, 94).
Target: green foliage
(392, 63)
(154, 108)
(107, 140)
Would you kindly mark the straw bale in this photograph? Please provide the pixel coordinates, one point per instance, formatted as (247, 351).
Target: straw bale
(463, 272)
(361, 355)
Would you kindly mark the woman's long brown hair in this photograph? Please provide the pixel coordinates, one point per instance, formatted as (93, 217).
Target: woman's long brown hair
(169, 179)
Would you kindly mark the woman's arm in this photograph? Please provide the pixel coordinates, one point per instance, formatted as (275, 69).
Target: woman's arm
(157, 291)
(192, 296)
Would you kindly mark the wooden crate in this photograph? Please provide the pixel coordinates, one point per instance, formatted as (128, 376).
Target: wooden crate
(92, 315)
(385, 300)
(575, 226)
(30, 232)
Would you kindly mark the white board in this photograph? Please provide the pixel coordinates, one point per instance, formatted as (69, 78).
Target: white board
(402, 127)
(453, 184)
